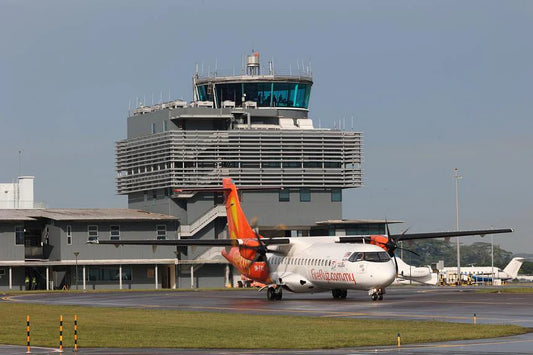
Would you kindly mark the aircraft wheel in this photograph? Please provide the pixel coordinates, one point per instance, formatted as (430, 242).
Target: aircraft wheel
(278, 294)
(336, 293)
(343, 294)
(271, 293)
(374, 296)
(380, 297)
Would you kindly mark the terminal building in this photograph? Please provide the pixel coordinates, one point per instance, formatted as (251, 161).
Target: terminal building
(253, 127)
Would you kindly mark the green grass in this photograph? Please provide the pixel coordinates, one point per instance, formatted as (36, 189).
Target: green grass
(506, 290)
(128, 327)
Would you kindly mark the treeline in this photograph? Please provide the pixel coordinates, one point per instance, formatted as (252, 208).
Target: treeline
(477, 254)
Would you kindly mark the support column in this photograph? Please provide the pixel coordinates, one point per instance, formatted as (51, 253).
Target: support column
(172, 276)
(155, 274)
(227, 282)
(84, 278)
(47, 278)
(192, 276)
(10, 277)
(120, 277)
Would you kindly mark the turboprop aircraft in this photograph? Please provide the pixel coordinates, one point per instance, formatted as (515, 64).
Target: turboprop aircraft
(312, 264)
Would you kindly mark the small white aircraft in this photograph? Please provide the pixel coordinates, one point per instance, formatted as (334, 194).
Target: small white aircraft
(311, 264)
(485, 273)
(418, 274)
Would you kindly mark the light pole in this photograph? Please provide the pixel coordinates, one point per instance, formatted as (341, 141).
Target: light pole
(492, 258)
(76, 253)
(457, 177)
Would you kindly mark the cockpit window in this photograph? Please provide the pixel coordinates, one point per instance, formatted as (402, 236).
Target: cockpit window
(356, 257)
(373, 256)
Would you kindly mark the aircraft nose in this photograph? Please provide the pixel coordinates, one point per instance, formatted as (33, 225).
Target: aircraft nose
(388, 274)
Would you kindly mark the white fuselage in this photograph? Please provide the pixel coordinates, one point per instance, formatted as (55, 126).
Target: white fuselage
(421, 274)
(317, 264)
(510, 271)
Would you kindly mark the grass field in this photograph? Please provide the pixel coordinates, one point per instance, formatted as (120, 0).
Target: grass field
(508, 289)
(126, 327)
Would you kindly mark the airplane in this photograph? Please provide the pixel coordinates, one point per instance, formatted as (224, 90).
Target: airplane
(418, 274)
(311, 264)
(485, 273)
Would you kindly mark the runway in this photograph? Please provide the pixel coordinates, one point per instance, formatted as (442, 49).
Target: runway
(414, 303)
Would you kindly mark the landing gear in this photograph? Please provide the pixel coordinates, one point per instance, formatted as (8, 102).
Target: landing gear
(274, 293)
(338, 293)
(376, 294)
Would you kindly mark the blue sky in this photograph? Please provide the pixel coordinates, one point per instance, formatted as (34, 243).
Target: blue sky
(433, 86)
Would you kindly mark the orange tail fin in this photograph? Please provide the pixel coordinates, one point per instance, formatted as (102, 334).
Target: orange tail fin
(238, 226)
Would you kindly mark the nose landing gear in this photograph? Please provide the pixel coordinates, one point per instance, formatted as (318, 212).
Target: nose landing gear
(376, 294)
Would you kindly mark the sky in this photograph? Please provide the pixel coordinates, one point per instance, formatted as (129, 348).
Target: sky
(433, 86)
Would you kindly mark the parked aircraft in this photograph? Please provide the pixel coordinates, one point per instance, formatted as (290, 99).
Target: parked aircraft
(419, 274)
(485, 273)
(312, 264)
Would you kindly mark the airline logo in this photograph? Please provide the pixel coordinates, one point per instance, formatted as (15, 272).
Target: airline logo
(321, 275)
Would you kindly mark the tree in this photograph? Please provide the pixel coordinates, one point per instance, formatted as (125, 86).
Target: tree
(478, 254)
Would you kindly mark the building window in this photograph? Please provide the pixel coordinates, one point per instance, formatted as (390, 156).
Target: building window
(93, 233)
(153, 128)
(165, 126)
(336, 195)
(108, 273)
(19, 235)
(69, 235)
(284, 195)
(114, 233)
(161, 230)
(305, 195)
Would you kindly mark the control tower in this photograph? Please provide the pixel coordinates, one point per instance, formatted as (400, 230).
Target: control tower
(253, 127)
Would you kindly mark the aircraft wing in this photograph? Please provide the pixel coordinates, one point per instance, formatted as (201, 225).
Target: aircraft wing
(190, 242)
(481, 232)
(411, 236)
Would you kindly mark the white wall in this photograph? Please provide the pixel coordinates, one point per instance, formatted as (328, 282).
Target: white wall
(17, 194)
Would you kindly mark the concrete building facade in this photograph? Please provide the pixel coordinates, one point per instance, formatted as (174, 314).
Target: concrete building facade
(43, 249)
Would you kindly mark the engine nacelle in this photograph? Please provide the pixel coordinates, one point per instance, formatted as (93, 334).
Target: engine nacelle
(380, 241)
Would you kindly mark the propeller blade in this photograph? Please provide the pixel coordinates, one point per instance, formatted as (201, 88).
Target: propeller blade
(410, 251)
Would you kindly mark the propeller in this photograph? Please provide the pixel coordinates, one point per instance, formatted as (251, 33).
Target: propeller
(392, 244)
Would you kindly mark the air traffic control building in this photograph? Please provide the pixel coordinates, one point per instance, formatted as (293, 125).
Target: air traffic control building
(255, 128)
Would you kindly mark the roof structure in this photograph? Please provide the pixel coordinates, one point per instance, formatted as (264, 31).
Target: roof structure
(82, 214)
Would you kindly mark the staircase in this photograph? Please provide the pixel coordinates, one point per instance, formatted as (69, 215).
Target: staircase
(189, 230)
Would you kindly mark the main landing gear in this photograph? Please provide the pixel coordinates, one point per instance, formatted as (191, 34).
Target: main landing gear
(274, 293)
(376, 294)
(338, 293)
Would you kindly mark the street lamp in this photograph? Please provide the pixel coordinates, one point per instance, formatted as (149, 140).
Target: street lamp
(76, 253)
(457, 177)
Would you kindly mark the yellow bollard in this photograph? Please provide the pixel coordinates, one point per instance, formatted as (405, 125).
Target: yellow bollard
(399, 340)
(28, 348)
(475, 319)
(61, 334)
(75, 332)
